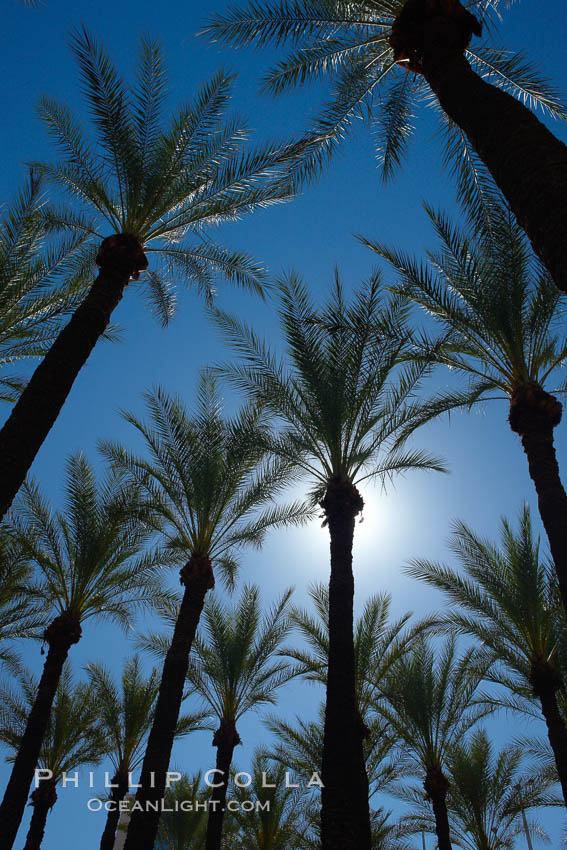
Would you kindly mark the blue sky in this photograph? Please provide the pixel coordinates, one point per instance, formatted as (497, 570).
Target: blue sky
(313, 234)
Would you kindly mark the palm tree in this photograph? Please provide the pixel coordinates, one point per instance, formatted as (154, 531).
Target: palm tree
(37, 284)
(430, 704)
(152, 187)
(234, 668)
(377, 644)
(88, 564)
(504, 326)
(506, 598)
(299, 748)
(18, 617)
(212, 483)
(487, 796)
(341, 408)
(277, 821)
(72, 738)
(480, 92)
(184, 828)
(125, 718)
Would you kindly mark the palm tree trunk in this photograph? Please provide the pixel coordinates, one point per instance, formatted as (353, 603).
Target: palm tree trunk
(118, 794)
(225, 740)
(534, 414)
(345, 816)
(63, 632)
(527, 162)
(43, 799)
(197, 576)
(436, 786)
(546, 682)
(120, 257)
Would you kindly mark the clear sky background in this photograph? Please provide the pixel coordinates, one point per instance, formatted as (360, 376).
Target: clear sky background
(489, 476)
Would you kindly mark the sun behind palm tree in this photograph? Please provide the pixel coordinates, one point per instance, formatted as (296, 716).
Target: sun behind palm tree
(341, 403)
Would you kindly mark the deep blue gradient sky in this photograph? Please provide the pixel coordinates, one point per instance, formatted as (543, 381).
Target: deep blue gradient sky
(313, 234)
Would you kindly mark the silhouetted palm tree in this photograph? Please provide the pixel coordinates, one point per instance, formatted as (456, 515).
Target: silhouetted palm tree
(153, 187)
(360, 46)
(88, 564)
(72, 738)
(504, 323)
(125, 717)
(341, 406)
(488, 792)
(430, 704)
(212, 483)
(235, 667)
(506, 597)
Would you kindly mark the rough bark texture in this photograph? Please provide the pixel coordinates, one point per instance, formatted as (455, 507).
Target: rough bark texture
(63, 632)
(120, 779)
(345, 817)
(526, 161)
(42, 799)
(197, 576)
(226, 738)
(436, 787)
(546, 681)
(120, 258)
(534, 414)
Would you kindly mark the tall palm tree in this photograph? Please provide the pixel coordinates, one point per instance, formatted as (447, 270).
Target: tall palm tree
(125, 717)
(488, 792)
(430, 704)
(73, 738)
(235, 667)
(89, 562)
(341, 406)
(38, 283)
(152, 187)
(504, 326)
(184, 829)
(18, 616)
(506, 598)
(213, 485)
(482, 94)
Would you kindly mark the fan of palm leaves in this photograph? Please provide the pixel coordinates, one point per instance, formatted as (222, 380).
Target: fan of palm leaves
(348, 42)
(165, 185)
(40, 281)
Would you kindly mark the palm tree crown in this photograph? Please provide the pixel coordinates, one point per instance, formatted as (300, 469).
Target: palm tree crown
(506, 598)
(339, 399)
(209, 478)
(159, 184)
(237, 664)
(89, 557)
(502, 315)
